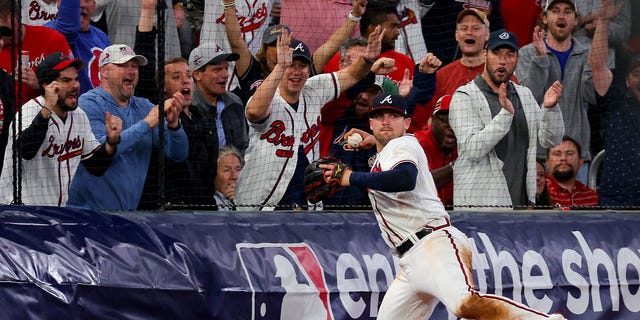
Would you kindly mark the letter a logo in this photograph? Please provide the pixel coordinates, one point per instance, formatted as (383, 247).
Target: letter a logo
(386, 99)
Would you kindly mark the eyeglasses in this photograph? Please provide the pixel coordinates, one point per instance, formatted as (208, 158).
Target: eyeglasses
(445, 122)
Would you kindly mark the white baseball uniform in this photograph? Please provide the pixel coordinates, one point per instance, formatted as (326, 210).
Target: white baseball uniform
(411, 41)
(273, 146)
(47, 176)
(437, 267)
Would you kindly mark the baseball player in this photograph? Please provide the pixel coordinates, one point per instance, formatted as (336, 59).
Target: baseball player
(55, 137)
(435, 257)
(284, 120)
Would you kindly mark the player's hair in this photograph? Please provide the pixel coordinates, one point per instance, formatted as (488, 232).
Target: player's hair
(233, 151)
(567, 138)
(376, 14)
(350, 43)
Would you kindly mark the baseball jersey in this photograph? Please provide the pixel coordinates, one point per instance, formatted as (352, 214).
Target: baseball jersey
(253, 17)
(273, 147)
(47, 176)
(400, 214)
(38, 12)
(411, 40)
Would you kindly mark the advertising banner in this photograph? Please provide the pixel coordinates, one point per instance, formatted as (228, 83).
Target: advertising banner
(58, 263)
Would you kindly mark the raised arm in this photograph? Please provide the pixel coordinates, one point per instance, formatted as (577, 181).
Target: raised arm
(323, 54)
(361, 67)
(258, 107)
(602, 76)
(234, 35)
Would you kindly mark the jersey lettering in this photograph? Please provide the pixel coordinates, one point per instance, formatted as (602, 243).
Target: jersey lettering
(252, 23)
(71, 148)
(276, 136)
(37, 13)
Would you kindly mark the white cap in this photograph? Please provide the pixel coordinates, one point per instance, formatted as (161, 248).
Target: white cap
(119, 54)
(209, 53)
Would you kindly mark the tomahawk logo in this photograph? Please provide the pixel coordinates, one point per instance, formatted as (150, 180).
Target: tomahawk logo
(286, 280)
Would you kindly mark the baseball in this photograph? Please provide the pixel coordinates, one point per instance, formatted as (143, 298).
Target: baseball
(354, 140)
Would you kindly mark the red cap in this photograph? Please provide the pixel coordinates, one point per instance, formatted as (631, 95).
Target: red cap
(442, 105)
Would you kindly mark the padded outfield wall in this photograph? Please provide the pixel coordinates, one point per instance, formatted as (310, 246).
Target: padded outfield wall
(58, 263)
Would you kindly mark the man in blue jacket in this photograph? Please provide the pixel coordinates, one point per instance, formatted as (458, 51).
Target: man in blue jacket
(121, 186)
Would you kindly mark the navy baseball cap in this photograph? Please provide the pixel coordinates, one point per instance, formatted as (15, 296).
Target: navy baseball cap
(388, 102)
(57, 62)
(502, 38)
(300, 50)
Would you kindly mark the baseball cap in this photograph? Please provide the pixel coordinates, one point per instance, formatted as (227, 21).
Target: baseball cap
(473, 12)
(390, 102)
(300, 50)
(56, 61)
(552, 2)
(372, 80)
(272, 33)
(120, 54)
(209, 53)
(633, 63)
(502, 38)
(442, 105)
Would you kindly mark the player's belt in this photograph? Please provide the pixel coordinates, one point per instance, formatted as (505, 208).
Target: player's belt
(408, 243)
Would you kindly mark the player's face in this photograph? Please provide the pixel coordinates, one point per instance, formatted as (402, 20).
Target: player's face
(441, 130)
(213, 79)
(560, 20)
(177, 78)
(633, 83)
(120, 79)
(391, 32)
(388, 125)
(69, 89)
(500, 64)
(295, 76)
(229, 168)
(564, 161)
(87, 7)
(540, 178)
(362, 103)
(471, 35)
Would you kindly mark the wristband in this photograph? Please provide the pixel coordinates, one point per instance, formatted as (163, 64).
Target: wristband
(229, 5)
(353, 18)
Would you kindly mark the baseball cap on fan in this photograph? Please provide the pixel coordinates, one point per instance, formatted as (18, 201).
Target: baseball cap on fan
(272, 33)
(388, 102)
(120, 54)
(300, 50)
(552, 2)
(502, 38)
(209, 53)
(442, 105)
(55, 62)
(473, 12)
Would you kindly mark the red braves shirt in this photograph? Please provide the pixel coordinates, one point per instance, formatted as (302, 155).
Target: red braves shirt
(40, 42)
(437, 159)
(581, 195)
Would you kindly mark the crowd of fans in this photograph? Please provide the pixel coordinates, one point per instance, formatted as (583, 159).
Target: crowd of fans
(511, 112)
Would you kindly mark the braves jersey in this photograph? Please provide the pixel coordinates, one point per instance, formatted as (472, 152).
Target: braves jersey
(400, 214)
(273, 148)
(411, 40)
(47, 176)
(253, 17)
(38, 12)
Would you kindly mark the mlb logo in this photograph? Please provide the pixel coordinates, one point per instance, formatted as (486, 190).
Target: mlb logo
(286, 280)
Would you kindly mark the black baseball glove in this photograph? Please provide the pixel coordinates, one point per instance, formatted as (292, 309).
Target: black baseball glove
(316, 186)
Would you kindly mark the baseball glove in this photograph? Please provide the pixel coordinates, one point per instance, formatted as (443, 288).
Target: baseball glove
(316, 187)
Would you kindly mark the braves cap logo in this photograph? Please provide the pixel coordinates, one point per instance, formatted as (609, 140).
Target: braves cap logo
(299, 47)
(291, 268)
(387, 99)
(504, 36)
(218, 48)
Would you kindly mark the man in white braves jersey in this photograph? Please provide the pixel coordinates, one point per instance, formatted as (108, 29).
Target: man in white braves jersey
(55, 137)
(284, 120)
(435, 257)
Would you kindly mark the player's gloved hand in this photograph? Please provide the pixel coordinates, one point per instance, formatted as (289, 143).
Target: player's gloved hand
(319, 185)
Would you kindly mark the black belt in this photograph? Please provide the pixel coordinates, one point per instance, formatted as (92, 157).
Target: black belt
(407, 244)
